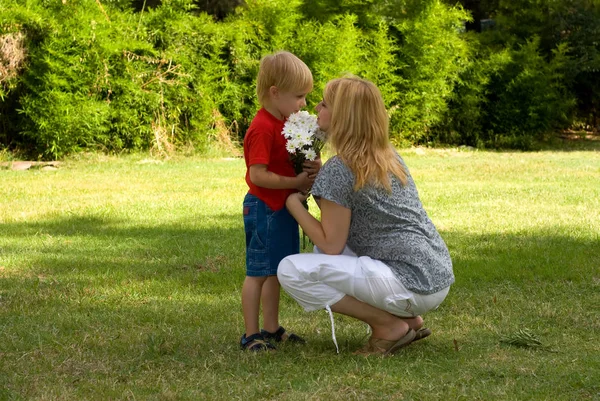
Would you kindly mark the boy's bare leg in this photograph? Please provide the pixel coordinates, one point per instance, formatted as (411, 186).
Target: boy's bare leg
(384, 325)
(270, 304)
(251, 291)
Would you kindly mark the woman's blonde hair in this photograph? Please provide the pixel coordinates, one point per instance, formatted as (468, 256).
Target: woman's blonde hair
(358, 132)
(283, 70)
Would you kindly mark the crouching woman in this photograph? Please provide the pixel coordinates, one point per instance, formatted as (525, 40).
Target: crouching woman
(378, 257)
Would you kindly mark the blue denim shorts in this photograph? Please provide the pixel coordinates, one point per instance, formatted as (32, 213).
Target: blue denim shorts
(270, 237)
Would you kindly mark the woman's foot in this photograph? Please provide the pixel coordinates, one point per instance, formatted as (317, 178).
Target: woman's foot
(378, 346)
(415, 323)
(392, 329)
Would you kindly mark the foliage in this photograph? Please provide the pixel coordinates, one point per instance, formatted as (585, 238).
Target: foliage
(573, 24)
(431, 56)
(524, 338)
(121, 75)
(531, 97)
(509, 98)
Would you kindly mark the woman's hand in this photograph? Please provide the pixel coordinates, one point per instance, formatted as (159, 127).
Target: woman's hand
(296, 197)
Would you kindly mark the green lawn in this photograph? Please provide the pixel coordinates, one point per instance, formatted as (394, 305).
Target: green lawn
(120, 278)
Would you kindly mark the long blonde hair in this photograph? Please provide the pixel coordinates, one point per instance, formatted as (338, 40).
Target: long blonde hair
(358, 132)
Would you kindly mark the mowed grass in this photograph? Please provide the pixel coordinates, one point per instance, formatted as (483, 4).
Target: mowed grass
(120, 279)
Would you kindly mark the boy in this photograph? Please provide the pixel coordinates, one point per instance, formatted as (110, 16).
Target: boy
(271, 232)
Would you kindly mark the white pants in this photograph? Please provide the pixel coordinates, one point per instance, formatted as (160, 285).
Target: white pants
(317, 281)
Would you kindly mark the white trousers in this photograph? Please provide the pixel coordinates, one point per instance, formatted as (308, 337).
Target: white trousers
(317, 281)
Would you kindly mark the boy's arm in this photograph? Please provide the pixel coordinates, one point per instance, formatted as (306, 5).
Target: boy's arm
(260, 176)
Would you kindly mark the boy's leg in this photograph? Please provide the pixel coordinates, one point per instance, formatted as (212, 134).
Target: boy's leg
(257, 262)
(270, 304)
(251, 294)
(283, 240)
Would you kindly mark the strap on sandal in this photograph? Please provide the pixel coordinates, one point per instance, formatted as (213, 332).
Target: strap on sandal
(255, 343)
(281, 335)
(422, 333)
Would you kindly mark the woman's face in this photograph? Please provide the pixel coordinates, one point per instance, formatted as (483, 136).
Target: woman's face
(323, 116)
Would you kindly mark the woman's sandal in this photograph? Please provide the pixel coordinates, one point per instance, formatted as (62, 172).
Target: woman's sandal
(378, 346)
(282, 336)
(422, 333)
(255, 343)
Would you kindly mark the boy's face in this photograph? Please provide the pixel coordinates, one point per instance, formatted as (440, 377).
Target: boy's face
(289, 102)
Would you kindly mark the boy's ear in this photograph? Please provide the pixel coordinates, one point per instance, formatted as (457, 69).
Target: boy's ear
(274, 92)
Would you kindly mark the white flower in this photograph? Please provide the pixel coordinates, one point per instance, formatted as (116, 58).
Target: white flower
(295, 143)
(320, 135)
(288, 131)
(301, 136)
(310, 154)
(301, 132)
(290, 147)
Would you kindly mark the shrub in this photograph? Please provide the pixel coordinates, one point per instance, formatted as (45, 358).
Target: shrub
(508, 99)
(532, 97)
(431, 54)
(101, 75)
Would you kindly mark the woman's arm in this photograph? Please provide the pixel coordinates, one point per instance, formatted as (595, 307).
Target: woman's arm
(331, 233)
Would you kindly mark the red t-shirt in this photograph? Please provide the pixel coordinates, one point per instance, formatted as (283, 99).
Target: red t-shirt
(264, 144)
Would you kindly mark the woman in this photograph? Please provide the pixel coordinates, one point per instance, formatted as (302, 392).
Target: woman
(378, 257)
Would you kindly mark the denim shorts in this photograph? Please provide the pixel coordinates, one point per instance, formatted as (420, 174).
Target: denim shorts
(270, 237)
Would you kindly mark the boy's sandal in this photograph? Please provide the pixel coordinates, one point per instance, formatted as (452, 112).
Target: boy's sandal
(255, 343)
(422, 333)
(282, 336)
(377, 346)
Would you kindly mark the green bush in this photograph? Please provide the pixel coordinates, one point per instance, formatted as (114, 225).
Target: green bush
(432, 53)
(571, 23)
(330, 49)
(532, 98)
(101, 75)
(508, 99)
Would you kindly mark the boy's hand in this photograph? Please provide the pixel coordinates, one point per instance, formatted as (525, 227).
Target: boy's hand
(304, 183)
(312, 167)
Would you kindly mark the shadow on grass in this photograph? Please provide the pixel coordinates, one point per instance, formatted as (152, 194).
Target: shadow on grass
(86, 298)
(195, 250)
(101, 280)
(571, 144)
(97, 245)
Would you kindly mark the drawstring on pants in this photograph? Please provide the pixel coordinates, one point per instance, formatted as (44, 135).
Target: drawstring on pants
(332, 328)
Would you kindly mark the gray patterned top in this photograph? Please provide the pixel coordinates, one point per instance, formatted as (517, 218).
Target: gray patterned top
(393, 228)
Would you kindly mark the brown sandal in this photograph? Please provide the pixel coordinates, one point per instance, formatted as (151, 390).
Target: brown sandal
(378, 346)
(422, 333)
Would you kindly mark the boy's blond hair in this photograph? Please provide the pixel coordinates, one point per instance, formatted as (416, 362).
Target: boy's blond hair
(285, 71)
(358, 132)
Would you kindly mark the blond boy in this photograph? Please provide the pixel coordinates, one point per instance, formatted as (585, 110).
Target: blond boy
(271, 232)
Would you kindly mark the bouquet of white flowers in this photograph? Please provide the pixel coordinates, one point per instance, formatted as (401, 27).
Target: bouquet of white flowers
(304, 138)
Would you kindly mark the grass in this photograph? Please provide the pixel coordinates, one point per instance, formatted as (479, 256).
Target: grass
(120, 279)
